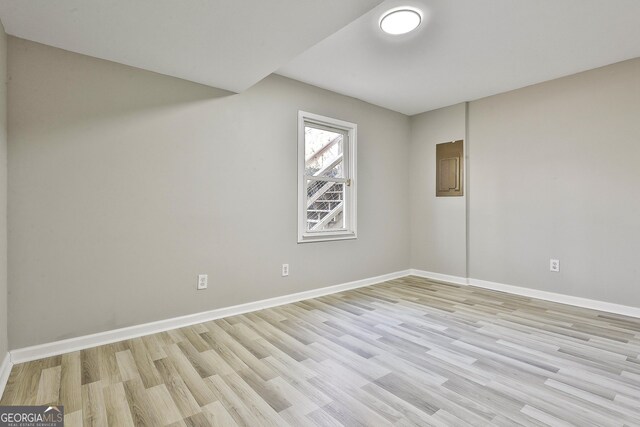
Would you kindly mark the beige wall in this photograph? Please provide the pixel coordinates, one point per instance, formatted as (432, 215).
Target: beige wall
(555, 174)
(124, 185)
(438, 224)
(3, 194)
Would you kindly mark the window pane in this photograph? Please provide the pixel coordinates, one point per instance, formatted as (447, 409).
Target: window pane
(323, 150)
(325, 205)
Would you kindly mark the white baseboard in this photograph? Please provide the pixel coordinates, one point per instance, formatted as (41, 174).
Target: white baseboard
(560, 298)
(5, 370)
(533, 293)
(79, 343)
(439, 276)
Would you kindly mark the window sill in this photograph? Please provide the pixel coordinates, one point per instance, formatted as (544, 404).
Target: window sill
(327, 238)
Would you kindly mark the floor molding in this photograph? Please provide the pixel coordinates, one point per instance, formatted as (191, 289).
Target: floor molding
(5, 370)
(609, 307)
(78, 343)
(533, 293)
(439, 276)
(74, 344)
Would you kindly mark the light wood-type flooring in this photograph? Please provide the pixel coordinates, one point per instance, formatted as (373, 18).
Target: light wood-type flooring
(404, 352)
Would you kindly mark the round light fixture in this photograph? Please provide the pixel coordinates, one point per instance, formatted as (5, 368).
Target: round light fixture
(400, 20)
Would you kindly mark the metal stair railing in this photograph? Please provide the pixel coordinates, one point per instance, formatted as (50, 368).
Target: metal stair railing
(324, 216)
(328, 217)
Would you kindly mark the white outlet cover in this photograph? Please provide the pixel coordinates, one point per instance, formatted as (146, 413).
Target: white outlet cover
(554, 265)
(202, 281)
(285, 270)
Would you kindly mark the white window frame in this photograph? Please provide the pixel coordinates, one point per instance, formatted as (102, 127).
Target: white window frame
(350, 163)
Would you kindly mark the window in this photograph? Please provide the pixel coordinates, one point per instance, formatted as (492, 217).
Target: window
(326, 178)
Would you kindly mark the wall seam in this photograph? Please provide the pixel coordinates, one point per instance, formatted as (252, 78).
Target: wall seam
(467, 186)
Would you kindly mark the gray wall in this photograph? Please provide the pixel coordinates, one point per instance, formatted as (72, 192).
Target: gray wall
(3, 194)
(124, 185)
(438, 224)
(555, 174)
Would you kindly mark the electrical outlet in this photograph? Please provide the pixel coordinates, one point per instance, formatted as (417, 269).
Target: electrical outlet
(202, 281)
(554, 265)
(285, 270)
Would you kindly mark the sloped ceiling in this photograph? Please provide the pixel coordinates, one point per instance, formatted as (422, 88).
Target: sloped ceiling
(464, 49)
(469, 49)
(229, 44)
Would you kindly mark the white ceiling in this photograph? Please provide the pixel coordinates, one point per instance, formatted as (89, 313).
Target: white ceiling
(465, 49)
(469, 49)
(230, 44)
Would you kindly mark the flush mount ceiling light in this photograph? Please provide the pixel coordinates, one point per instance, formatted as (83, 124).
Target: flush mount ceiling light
(400, 20)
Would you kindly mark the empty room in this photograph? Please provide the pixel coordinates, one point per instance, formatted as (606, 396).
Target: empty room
(319, 213)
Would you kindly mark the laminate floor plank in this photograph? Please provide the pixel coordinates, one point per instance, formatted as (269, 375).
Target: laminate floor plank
(49, 386)
(116, 406)
(407, 352)
(71, 383)
(94, 412)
